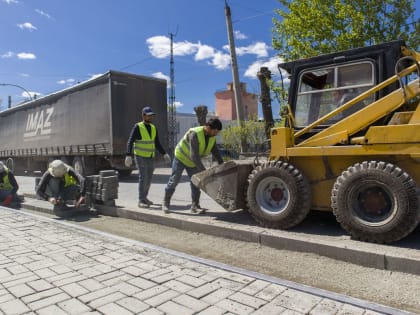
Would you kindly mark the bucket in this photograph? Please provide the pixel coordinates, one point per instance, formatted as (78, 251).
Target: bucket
(225, 183)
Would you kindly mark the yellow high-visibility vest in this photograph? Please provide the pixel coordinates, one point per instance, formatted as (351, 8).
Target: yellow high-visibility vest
(146, 146)
(69, 180)
(6, 183)
(182, 150)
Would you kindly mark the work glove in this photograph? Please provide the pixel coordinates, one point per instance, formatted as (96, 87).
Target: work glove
(128, 161)
(167, 158)
(8, 200)
(80, 201)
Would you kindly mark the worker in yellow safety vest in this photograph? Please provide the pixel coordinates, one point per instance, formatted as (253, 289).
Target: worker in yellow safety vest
(8, 186)
(197, 143)
(61, 185)
(144, 141)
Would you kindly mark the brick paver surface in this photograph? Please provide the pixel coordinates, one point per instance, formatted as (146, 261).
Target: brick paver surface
(47, 267)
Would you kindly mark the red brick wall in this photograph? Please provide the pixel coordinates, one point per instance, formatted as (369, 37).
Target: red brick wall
(226, 105)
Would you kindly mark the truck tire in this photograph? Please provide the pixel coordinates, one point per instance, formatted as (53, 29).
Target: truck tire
(84, 165)
(278, 195)
(376, 202)
(79, 166)
(125, 173)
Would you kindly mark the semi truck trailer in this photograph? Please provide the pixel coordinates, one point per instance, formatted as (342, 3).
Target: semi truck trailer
(86, 125)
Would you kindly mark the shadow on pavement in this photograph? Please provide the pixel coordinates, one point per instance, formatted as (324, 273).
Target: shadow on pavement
(157, 178)
(78, 217)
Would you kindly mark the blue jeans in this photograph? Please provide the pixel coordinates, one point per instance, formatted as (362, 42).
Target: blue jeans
(6, 192)
(177, 169)
(55, 189)
(146, 167)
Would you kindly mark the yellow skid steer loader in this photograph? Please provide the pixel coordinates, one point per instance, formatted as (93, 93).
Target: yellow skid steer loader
(351, 145)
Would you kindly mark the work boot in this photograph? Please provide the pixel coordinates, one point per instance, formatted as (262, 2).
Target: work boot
(195, 208)
(143, 204)
(165, 208)
(166, 201)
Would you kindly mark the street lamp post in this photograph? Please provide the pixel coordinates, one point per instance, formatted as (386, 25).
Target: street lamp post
(20, 87)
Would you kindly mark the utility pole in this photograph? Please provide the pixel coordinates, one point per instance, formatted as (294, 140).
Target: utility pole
(172, 108)
(235, 75)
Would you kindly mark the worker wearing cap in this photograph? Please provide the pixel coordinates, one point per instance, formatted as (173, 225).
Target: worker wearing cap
(61, 184)
(8, 186)
(144, 141)
(197, 143)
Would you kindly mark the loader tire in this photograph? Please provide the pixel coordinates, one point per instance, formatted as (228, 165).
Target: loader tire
(376, 202)
(278, 195)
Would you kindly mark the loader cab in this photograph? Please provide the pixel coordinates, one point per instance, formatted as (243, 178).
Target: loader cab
(323, 89)
(320, 84)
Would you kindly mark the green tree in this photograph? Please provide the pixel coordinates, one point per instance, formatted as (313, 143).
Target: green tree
(307, 28)
(253, 131)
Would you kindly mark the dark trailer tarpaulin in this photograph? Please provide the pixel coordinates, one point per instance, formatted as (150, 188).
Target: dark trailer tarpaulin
(91, 120)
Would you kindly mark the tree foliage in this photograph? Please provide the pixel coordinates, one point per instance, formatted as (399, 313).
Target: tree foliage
(308, 28)
(252, 130)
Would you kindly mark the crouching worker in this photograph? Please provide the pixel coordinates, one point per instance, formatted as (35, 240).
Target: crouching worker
(61, 185)
(8, 186)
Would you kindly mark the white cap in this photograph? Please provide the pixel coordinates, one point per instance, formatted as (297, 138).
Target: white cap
(1, 166)
(57, 168)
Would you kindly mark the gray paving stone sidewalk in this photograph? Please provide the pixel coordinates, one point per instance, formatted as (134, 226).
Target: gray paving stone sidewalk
(49, 266)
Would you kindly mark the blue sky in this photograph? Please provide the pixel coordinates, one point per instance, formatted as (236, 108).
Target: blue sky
(48, 45)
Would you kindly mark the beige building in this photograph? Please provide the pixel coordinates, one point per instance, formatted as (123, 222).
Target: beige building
(226, 105)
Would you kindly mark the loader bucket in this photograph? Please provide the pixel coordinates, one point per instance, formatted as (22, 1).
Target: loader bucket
(225, 183)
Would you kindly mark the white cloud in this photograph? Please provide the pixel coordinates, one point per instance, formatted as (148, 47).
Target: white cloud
(24, 55)
(10, 1)
(239, 35)
(159, 46)
(178, 104)
(160, 75)
(27, 26)
(43, 13)
(9, 54)
(32, 94)
(204, 52)
(271, 64)
(185, 48)
(94, 75)
(220, 61)
(259, 49)
(25, 75)
(68, 82)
